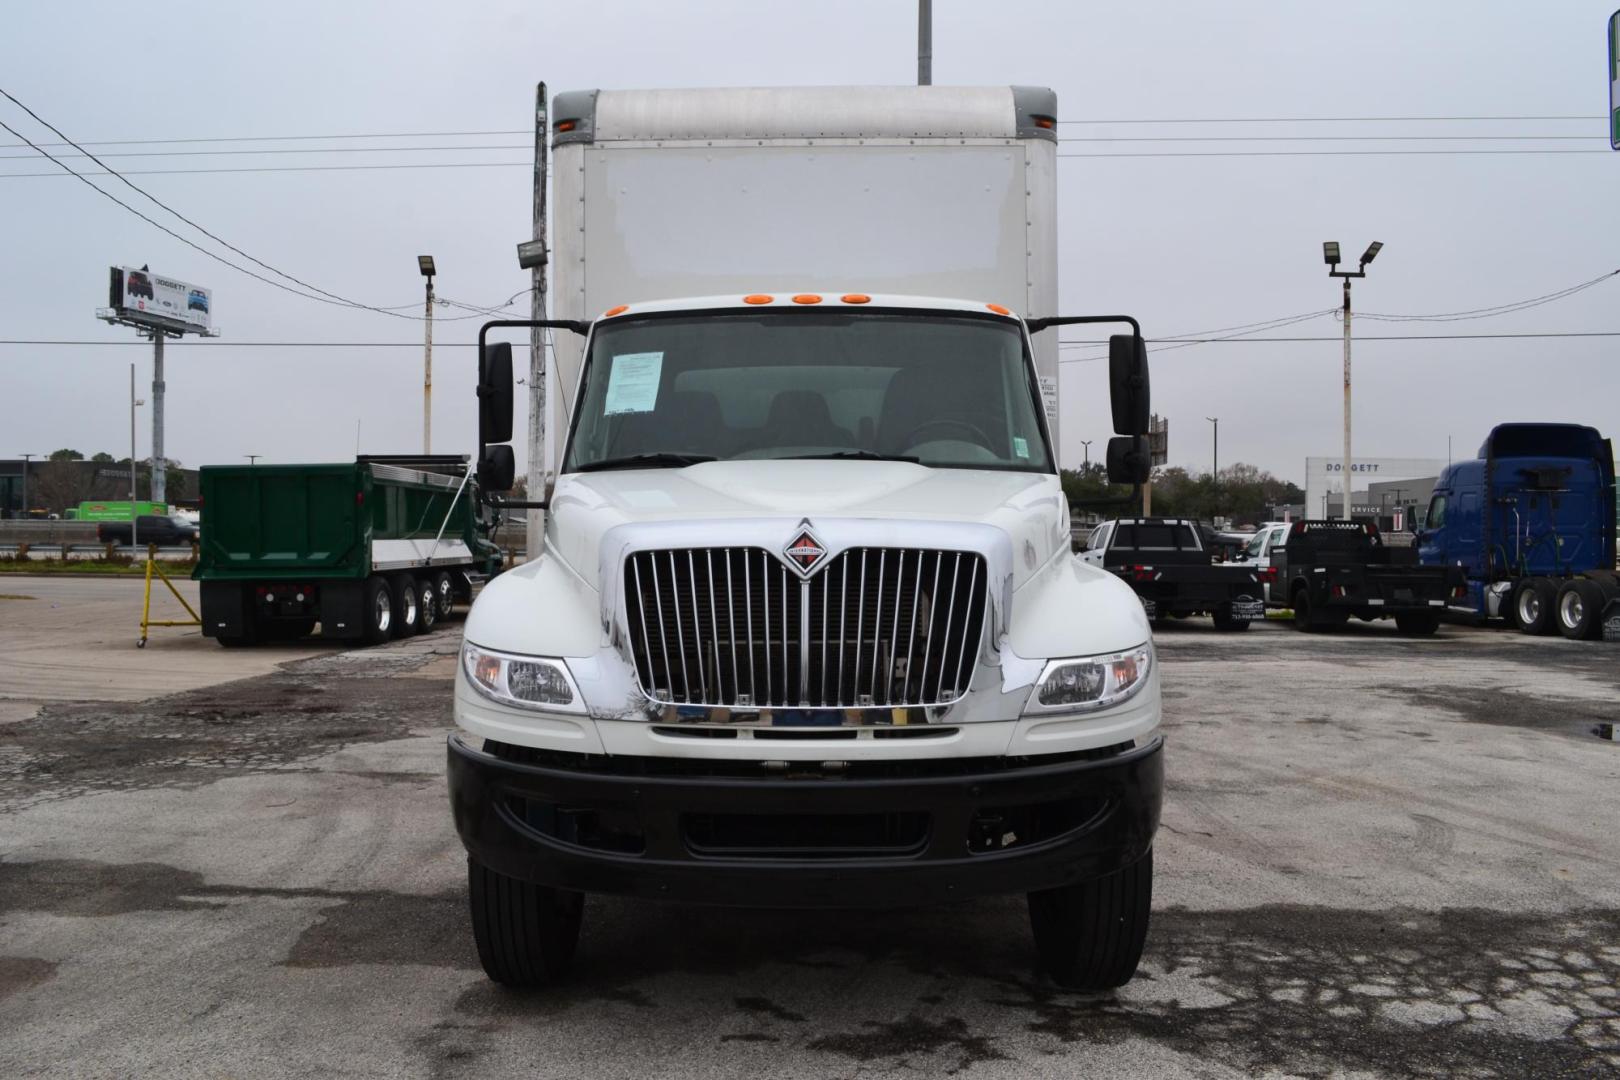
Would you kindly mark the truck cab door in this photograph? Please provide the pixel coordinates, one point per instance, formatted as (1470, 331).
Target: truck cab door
(1434, 542)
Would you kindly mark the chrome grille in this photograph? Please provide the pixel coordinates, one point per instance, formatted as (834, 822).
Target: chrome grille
(734, 627)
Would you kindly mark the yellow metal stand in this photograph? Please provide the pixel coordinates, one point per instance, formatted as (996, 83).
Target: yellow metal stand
(146, 608)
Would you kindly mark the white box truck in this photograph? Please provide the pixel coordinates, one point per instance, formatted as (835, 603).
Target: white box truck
(806, 629)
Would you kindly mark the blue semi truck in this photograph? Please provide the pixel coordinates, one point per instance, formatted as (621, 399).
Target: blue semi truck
(1531, 523)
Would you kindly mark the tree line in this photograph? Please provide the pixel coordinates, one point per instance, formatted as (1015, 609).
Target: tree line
(67, 477)
(1241, 492)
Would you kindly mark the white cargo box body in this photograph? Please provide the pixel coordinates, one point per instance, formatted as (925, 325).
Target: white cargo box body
(918, 190)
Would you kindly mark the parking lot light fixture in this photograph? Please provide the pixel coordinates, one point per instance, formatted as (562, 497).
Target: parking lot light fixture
(1330, 253)
(1371, 253)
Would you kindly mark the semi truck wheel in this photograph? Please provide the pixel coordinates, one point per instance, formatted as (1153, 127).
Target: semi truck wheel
(1533, 604)
(445, 588)
(526, 933)
(378, 610)
(1417, 623)
(1580, 609)
(407, 607)
(1089, 936)
(427, 604)
(1224, 620)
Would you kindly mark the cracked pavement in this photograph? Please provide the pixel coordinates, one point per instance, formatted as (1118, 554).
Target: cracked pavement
(1380, 857)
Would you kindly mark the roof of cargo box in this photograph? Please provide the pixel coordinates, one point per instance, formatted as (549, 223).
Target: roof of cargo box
(801, 302)
(812, 112)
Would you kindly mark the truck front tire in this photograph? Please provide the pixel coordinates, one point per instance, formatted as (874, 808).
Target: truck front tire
(1089, 936)
(1304, 621)
(526, 933)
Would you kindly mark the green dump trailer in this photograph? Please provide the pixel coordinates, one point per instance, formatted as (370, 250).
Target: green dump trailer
(377, 548)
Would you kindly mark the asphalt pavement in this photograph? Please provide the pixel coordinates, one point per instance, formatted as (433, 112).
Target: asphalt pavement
(1380, 857)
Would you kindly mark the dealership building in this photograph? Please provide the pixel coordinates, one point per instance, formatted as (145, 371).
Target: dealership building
(1377, 485)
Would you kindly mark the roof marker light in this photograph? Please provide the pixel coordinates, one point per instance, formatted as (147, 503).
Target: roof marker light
(1047, 122)
(618, 309)
(855, 298)
(807, 298)
(565, 125)
(998, 309)
(757, 298)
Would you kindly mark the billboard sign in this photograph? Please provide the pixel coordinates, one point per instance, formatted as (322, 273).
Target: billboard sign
(1614, 81)
(142, 296)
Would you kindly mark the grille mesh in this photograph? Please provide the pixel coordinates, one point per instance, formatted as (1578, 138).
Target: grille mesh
(873, 627)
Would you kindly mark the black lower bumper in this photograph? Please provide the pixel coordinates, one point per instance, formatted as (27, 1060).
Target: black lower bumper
(602, 825)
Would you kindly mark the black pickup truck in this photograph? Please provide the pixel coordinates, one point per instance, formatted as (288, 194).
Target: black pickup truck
(1166, 562)
(160, 529)
(1331, 570)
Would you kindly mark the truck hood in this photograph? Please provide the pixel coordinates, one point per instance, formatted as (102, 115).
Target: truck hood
(1029, 508)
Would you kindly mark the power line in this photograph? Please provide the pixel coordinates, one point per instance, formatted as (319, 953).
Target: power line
(1311, 138)
(295, 168)
(1318, 153)
(281, 138)
(188, 344)
(1321, 119)
(325, 150)
(1367, 337)
(1491, 312)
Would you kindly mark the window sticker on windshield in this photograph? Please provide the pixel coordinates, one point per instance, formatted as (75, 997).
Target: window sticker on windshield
(1021, 446)
(633, 383)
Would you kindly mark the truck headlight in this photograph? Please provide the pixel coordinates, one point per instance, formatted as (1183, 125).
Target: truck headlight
(1085, 683)
(528, 682)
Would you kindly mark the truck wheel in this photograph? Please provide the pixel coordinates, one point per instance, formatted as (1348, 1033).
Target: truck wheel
(1417, 623)
(1224, 621)
(1304, 621)
(407, 606)
(444, 587)
(1089, 936)
(427, 605)
(526, 933)
(378, 611)
(1580, 610)
(1533, 604)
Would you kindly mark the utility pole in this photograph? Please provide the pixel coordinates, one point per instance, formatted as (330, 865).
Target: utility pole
(26, 458)
(158, 482)
(425, 264)
(925, 42)
(134, 523)
(535, 523)
(253, 459)
(1215, 451)
(1086, 443)
(1330, 255)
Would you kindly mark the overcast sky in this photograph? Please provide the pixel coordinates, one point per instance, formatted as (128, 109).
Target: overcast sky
(1184, 243)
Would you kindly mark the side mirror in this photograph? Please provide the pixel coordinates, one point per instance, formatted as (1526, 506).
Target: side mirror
(1129, 460)
(495, 399)
(1128, 383)
(497, 469)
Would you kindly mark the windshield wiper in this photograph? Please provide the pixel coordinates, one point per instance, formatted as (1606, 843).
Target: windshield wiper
(660, 460)
(853, 455)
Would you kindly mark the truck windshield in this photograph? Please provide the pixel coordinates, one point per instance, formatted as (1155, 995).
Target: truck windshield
(954, 392)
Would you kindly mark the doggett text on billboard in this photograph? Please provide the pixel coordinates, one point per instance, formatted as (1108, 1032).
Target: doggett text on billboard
(163, 299)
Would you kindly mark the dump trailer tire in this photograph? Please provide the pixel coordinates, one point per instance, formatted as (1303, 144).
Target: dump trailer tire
(526, 933)
(444, 587)
(1089, 936)
(427, 605)
(1417, 623)
(407, 603)
(378, 610)
(1534, 604)
(1580, 609)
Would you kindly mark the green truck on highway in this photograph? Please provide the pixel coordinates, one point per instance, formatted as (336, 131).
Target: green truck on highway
(373, 549)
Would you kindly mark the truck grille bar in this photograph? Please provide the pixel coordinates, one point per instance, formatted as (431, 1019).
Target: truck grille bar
(875, 627)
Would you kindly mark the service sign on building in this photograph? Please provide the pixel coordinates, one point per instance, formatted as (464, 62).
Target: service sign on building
(144, 294)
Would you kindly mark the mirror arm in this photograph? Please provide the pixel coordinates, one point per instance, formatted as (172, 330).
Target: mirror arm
(1037, 325)
(516, 504)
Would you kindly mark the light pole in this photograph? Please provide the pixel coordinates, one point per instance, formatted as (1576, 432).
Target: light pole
(1086, 443)
(925, 42)
(425, 264)
(24, 508)
(1215, 451)
(134, 402)
(1330, 255)
(253, 459)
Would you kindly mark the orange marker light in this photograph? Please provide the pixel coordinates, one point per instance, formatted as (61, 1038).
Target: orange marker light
(998, 309)
(612, 311)
(807, 298)
(757, 298)
(566, 125)
(855, 298)
(1045, 122)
